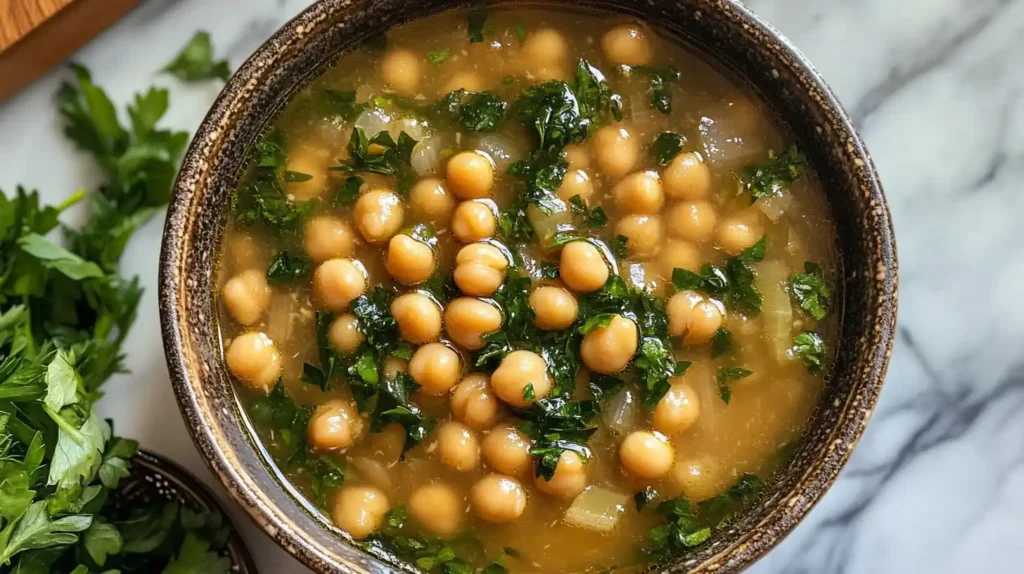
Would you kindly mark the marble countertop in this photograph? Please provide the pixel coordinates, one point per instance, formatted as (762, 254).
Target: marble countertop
(936, 87)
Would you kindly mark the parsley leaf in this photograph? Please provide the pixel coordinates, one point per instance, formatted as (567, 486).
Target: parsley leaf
(286, 267)
(721, 342)
(667, 146)
(725, 377)
(395, 159)
(557, 425)
(476, 20)
(477, 112)
(594, 218)
(810, 347)
(734, 282)
(520, 30)
(195, 62)
(644, 497)
(811, 290)
(335, 103)
(661, 80)
(768, 179)
(437, 56)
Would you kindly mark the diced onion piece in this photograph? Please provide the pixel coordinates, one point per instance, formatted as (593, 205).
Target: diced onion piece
(774, 206)
(620, 414)
(597, 508)
(502, 150)
(416, 128)
(729, 137)
(373, 121)
(776, 309)
(426, 156)
(546, 225)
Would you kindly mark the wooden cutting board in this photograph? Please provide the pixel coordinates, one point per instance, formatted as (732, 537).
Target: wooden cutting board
(36, 35)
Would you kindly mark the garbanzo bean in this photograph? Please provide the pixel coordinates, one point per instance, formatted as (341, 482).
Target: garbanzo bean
(678, 254)
(311, 161)
(400, 70)
(497, 498)
(360, 510)
(639, 192)
(739, 231)
(507, 450)
(480, 269)
(705, 319)
(430, 200)
(518, 370)
(344, 334)
(418, 318)
(470, 175)
(336, 282)
(554, 308)
(692, 220)
(467, 320)
(378, 215)
(582, 267)
(609, 349)
(576, 182)
(576, 156)
(678, 410)
(616, 151)
(254, 360)
(643, 234)
(246, 296)
(394, 365)
(435, 368)
(438, 508)
(545, 53)
(458, 446)
(698, 478)
(627, 45)
(570, 477)
(646, 454)
(473, 221)
(473, 402)
(687, 177)
(334, 426)
(327, 237)
(409, 260)
(244, 252)
(469, 81)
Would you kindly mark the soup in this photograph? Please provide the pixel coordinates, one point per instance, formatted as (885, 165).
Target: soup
(525, 291)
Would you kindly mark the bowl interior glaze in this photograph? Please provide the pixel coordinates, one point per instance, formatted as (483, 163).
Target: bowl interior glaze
(726, 32)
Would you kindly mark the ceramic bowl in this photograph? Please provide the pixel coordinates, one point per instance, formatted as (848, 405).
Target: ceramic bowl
(728, 33)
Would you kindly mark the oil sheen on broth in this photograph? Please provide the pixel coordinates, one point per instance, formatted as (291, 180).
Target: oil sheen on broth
(641, 303)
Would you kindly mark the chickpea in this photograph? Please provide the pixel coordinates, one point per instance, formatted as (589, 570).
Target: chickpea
(244, 251)
(312, 162)
(609, 349)
(576, 156)
(627, 45)
(334, 426)
(418, 317)
(678, 254)
(692, 317)
(616, 150)
(739, 231)
(643, 234)
(582, 267)
(469, 81)
(507, 450)
(570, 477)
(327, 237)
(394, 365)
(692, 220)
(576, 182)
(698, 478)
(467, 320)
(646, 454)
(336, 282)
(438, 508)
(254, 360)
(430, 200)
(435, 368)
(409, 260)
(246, 296)
(518, 370)
(344, 334)
(378, 215)
(400, 70)
(678, 410)
(457, 446)
(545, 53)
(470, 175)
(687, 177)
(473, 221)
(474, 403)
(554, 308)
(498, 498)
(360, 510)
(639, 192)
(480, 269)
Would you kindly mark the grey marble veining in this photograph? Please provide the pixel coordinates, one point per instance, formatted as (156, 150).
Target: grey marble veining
(936, 88)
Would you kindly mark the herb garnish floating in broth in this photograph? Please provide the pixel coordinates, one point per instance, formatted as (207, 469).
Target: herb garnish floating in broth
(521, 277)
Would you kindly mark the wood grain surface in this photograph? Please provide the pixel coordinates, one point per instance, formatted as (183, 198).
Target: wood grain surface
(36, 35)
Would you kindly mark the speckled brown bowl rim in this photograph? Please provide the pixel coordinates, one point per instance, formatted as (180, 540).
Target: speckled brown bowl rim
(730, 33)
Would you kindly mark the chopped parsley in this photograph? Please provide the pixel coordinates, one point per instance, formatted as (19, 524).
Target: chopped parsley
(811, 290)
(725, 377)
(380, 154)
(348, 192)
(721, 342)
(476, 20)
(340, 103)
(556, 425)
(810, 347)
(644, 497)
(768, 179)
(287, 267)
(595, 218)
(734, 283)
(477, 112)
(437, 56)
(456, 556)
(520, 30)
(667, 146)
(660, 80)
(262, 201)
